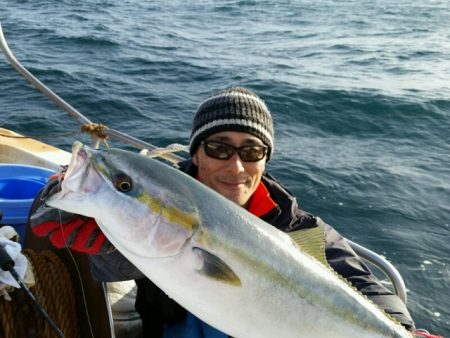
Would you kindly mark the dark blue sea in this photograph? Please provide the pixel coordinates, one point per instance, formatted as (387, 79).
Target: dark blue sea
(359, 92)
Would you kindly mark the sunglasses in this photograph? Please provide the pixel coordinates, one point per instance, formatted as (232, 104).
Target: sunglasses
(225, 151)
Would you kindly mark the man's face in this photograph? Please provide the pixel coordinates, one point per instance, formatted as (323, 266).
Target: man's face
(233, 178)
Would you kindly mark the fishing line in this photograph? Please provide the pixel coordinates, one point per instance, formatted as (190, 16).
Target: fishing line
(76, 267)
(79, 276)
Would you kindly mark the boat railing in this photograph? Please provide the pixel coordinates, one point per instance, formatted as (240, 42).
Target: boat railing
(386, 267)
(377, 260)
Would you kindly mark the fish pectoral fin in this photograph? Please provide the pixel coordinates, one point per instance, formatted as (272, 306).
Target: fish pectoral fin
(215, 268)
(311, 241)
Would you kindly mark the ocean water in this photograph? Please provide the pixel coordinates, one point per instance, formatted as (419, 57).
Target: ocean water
(359, 92)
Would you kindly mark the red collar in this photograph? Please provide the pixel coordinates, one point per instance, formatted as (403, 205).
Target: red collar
(261, 202)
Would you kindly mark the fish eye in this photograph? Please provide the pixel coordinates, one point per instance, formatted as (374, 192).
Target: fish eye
(122, 182)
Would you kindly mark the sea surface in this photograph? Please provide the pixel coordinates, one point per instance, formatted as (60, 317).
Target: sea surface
(359, 92)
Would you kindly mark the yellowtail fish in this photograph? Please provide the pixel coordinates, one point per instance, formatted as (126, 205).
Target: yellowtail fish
(226, 266)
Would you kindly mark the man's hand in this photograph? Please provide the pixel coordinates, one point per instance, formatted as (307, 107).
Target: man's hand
(64, 229)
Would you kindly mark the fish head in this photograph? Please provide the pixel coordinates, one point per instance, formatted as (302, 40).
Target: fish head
(120, 190)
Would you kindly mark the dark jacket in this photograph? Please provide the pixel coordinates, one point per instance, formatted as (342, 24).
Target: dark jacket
(156, 309)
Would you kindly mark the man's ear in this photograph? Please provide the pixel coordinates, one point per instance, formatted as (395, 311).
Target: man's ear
(194, 159)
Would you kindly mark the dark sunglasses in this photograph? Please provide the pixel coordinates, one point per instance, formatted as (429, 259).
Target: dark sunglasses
(225, 151)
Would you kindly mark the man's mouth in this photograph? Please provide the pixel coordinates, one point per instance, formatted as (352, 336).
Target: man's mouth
(233, 183)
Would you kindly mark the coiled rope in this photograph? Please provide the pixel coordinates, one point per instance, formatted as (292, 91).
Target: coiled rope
(53, 290)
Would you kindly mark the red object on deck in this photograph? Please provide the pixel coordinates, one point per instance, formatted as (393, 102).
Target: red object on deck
(426, 334)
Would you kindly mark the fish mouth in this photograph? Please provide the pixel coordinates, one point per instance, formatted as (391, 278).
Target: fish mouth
(79, 156)
(81, 175)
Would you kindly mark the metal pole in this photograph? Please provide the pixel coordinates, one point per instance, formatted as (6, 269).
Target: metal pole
(38, 84)
(82, 120)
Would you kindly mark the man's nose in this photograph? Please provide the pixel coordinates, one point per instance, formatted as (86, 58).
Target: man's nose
(235, 164)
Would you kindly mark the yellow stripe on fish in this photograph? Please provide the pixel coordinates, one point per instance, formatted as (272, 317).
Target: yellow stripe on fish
(186, 220)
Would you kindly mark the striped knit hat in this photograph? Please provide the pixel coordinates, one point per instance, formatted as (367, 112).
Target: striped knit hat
(233, 109)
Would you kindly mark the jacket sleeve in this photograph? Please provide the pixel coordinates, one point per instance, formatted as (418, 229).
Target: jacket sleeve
(348, 264)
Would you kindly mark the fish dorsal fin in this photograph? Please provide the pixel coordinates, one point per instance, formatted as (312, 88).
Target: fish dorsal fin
(311, 241)
(215, 268)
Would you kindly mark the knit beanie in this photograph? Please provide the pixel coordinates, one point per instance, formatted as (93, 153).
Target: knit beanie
(233, 109)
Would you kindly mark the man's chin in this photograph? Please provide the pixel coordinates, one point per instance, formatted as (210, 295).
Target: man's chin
(239, 199)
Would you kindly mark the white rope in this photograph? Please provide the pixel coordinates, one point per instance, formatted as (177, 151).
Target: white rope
(159, 152)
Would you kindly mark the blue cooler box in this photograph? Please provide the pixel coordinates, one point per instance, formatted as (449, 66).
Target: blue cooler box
(19, 185)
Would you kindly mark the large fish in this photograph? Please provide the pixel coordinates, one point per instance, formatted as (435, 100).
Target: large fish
(228, 267)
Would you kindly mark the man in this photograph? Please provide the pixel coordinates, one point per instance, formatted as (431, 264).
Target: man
(231, 141)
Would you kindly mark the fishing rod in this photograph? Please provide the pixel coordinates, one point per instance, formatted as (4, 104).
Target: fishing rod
(383, 264)
(7, 264)
(102, 132)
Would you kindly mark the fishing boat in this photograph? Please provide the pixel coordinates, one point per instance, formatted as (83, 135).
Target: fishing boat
(102, 309)
(25, 165)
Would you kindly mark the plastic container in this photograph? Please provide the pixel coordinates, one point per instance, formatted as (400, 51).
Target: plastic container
(19, 185)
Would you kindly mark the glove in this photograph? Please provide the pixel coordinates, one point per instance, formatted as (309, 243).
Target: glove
(10, 250)
(65, 229)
